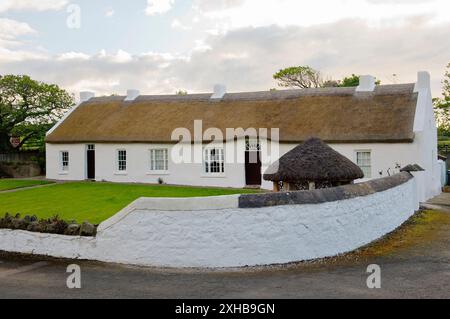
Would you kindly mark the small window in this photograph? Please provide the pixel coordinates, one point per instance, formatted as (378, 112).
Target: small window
(121, 160)
(64, 158)
(159, 160)
(214, 161)
(91, 147)
(363, 160)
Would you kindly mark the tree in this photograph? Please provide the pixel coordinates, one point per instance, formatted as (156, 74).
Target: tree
(442, 105)
(353, 80)
(298, 76)
(28, 108)
(181, 92)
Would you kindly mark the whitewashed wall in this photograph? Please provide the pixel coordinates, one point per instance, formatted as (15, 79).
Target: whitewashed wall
(384, 157)
(215, 232)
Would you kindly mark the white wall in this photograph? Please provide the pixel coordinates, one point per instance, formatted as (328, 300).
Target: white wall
(384, 157)
(77, 161)
(214, 232)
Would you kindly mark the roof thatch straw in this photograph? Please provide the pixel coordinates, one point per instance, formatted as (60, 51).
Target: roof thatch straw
(313, 161)
(336, 115)
(412, 168)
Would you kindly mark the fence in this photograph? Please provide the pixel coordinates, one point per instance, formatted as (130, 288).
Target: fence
(19, 157)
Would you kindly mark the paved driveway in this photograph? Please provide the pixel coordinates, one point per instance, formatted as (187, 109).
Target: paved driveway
(415, 262)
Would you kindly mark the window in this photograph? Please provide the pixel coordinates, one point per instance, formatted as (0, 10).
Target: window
(64, 157)
(91, 147)
(159, 160)
(363, 160)
(214, 161)
(121, 160)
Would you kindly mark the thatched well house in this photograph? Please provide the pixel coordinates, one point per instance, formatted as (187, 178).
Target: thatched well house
(311, 165)
(136, 138)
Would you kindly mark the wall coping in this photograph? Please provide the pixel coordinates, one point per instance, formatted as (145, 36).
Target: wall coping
(318, 196)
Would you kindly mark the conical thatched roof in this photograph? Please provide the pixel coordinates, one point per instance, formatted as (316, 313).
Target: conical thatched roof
(412, 168)
(313, 161)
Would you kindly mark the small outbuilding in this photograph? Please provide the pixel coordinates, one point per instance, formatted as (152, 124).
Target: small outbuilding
(311, 165)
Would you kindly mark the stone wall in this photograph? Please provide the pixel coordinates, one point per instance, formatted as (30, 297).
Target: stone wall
(237, 230)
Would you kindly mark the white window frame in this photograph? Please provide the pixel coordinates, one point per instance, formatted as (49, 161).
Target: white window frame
(207, 161)
(64, 169)
(118, 160)
(365, 168)
(152, 158)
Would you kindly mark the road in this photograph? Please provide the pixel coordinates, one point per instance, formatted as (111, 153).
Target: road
(414, 261)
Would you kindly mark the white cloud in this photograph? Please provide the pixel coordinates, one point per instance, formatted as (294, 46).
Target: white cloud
(216, 5)
(10, 29)
(176, 24)
(245, 59)
(242, 13)
(10, 33)
(32, 5)
(109, 13)
(158, 6)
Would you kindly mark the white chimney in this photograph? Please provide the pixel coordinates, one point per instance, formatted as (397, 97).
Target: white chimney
(423, 81)
(86, 96)
(366, 83)
(132, 95)
(219, 91)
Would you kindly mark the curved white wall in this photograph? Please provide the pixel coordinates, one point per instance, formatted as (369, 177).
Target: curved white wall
(215, 232)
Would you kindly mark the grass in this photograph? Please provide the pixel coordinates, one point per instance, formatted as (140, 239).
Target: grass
(94, 202)
(8, 184)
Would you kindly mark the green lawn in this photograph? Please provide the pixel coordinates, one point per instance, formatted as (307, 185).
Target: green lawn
(94, 202)
(7, 184)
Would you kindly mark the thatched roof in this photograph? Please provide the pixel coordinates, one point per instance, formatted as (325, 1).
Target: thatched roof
(313, 161)
(412, 168)
(336, 115)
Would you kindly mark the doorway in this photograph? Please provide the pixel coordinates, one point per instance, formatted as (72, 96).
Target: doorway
(252, 163)
(91, 161)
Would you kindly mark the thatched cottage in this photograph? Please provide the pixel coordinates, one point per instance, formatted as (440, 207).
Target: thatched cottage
(135, 138)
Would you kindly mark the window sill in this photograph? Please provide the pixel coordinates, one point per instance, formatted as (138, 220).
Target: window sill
(63, 173)
(120, 173)
(213, 176)
(158, 173)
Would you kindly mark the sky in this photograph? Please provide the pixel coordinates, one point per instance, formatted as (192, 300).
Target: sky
(161, 46)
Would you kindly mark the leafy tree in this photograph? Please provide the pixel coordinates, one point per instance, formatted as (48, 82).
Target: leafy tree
(298, 76)
(28, 108)
(353, 80)
(442, 105)
(181, 92)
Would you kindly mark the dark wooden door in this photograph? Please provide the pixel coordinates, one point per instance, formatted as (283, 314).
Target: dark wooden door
(91, 164)
(253, 168)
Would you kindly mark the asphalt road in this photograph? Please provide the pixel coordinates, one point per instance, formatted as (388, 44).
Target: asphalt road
(415, 263)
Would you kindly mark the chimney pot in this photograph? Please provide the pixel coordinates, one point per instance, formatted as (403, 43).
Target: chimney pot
(423, 81)
(86, 96)
(219, 91)
(132, 95)
(366, 83)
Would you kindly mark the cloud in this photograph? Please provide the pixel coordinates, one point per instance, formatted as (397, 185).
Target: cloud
(176, 24)
(109, 13)
(10, 32)
(216, 5)
(10, 29)
(242, 13)
(245, 59)
(158, 6)
(32, 5)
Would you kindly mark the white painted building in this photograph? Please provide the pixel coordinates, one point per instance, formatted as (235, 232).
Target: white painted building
(134, 138)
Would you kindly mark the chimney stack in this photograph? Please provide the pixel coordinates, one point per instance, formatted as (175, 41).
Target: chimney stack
(219, 92)
(132, 95)
(86, 96)
(423, 81)
(366, 83)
